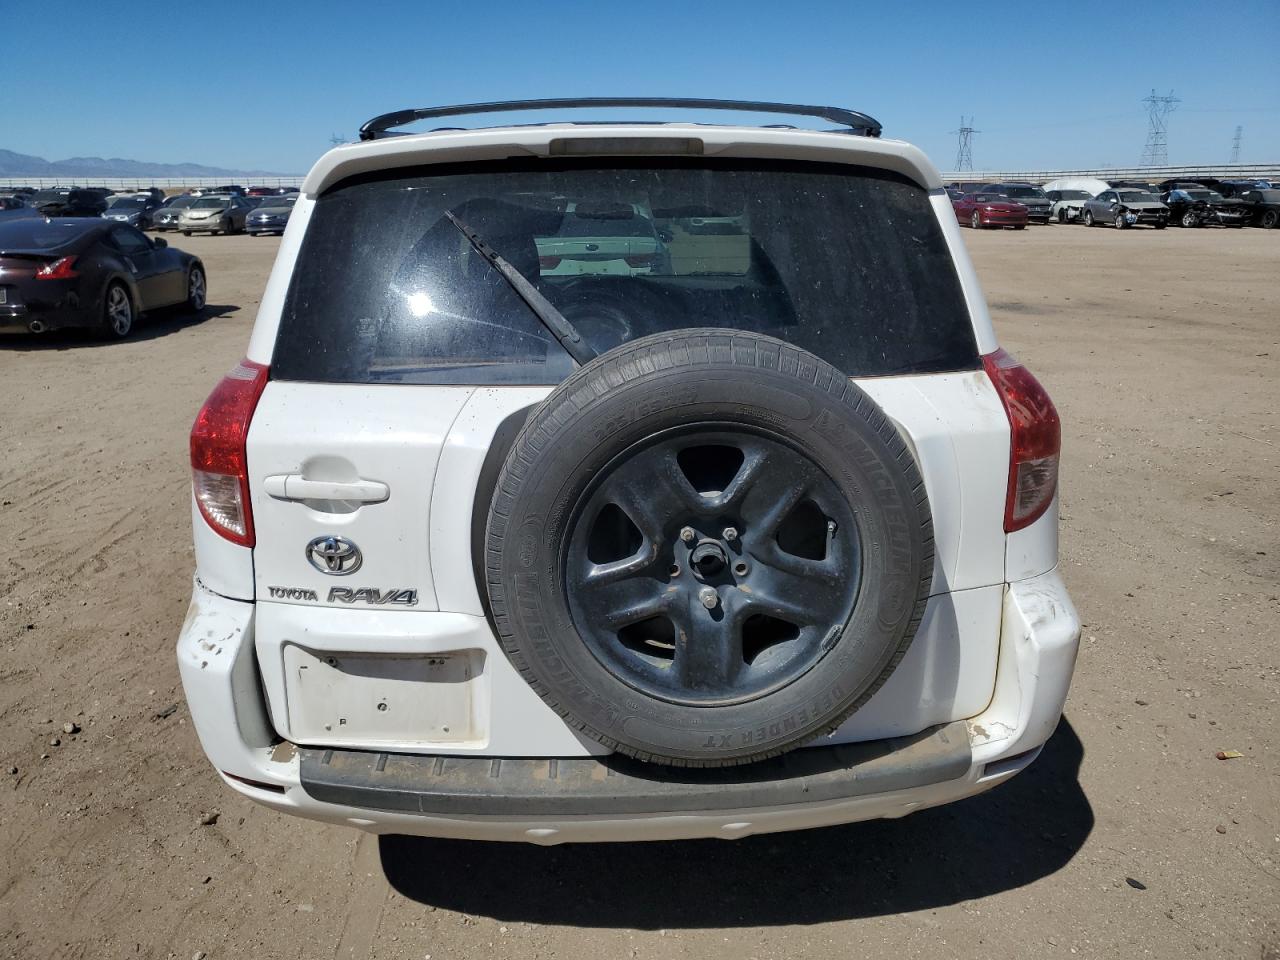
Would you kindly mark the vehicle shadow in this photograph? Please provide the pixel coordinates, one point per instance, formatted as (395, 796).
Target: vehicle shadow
(1022, 831)
(152, 326)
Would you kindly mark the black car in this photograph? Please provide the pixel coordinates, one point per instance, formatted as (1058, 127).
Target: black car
(1037, 202)
(76, 272)
(9, 201)
(1193, 204)
(1263, 206)
(70, 202)
(1236, 189)
(136, 210)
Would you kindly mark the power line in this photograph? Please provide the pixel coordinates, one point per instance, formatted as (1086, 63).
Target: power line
(964, 147)
(1156, 152)
(1235, 145)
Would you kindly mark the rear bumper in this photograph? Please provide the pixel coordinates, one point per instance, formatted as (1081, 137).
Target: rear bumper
(61, 311)
(608, 786)
(607, 799)
(14, 317)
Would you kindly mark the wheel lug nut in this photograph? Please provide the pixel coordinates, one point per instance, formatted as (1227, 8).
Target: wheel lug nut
(687, 534)
(708, 597)
(730, 533)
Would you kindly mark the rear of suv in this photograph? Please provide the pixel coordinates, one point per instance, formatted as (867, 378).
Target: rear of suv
(743, 523)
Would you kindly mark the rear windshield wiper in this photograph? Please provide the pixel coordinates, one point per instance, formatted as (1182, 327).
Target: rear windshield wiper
(565, 332)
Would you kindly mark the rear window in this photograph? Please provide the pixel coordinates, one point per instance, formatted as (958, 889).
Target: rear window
(847, 262)
(41, 234)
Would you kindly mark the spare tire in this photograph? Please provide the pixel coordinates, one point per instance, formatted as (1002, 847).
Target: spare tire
(706, 547)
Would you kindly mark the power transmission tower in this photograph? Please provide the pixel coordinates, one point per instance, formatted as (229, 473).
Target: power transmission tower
(964, 149)
(337, 140)
(1156, 152)
(1235, 145)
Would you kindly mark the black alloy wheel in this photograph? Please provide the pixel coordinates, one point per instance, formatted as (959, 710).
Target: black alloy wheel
(713, 565)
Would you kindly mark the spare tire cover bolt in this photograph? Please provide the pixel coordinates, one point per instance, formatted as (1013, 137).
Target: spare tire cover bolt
(709, 597)
(687, 534)
(730, 533)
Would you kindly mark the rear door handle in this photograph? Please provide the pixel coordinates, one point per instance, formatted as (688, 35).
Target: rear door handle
(294, 486)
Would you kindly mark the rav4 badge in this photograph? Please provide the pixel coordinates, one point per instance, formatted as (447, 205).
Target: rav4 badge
(371, 595)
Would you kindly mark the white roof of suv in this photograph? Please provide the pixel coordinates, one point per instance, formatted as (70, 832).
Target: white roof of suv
(383, 147)
(553, 139)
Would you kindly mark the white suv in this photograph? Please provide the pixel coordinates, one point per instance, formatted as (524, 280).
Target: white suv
(760, 537)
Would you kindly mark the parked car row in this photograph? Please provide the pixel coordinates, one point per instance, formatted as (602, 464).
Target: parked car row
(1120, 203)
(229, 209)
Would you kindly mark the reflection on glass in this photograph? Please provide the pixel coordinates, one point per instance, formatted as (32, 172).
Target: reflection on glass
(420, 304)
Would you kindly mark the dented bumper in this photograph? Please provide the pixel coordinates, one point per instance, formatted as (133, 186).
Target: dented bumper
(1039, 638)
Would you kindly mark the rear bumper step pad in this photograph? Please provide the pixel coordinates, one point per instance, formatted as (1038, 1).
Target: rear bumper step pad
(596, 786)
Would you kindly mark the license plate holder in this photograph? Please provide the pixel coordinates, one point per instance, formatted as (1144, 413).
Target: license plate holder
(388, 700)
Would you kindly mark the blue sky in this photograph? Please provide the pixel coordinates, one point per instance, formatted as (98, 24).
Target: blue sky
(265, 85)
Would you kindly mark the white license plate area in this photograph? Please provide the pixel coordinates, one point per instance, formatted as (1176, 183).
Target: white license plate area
(4, 295)
(384, 700)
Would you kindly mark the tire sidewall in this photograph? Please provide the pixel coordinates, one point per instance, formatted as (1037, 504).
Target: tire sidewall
(895, 544)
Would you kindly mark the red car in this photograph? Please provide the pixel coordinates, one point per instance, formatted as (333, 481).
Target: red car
(989, 210)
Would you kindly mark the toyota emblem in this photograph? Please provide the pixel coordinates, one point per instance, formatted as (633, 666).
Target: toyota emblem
(335, 555)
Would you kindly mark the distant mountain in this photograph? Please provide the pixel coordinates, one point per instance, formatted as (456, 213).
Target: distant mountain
(23, 165)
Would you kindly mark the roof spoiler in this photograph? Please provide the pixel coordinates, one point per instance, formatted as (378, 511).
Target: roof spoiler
(857, 123)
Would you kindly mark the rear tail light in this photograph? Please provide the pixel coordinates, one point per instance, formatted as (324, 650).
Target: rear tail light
(64, 268)
(1035, 440)
(548, 263)
(219, 468)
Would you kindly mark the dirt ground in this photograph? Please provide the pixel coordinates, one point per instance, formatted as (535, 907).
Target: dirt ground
(1127, 838)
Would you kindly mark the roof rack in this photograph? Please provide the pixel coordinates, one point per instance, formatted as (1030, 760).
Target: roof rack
(858, 123)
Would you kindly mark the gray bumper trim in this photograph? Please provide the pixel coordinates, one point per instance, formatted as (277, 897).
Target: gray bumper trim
(604, 786)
